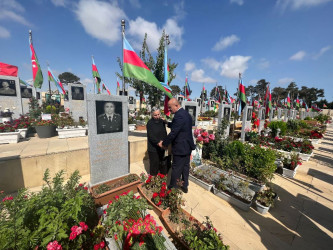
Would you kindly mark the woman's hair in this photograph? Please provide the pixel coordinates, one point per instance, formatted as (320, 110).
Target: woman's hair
(154, 109)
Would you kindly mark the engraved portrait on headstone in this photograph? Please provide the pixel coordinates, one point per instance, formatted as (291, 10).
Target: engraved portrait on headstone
(109, 117)
(263, 114)
(121, 92)
(249, 115)
(7, 87)
(180, 100)
(226, 113)
(38, 95)
(77, 93)
(192, 110)
(26, 93)
(199, 102)
(130, 100)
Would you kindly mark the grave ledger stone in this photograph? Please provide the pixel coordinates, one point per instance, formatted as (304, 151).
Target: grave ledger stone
(77, 99)
(108, 137)
(10, 97)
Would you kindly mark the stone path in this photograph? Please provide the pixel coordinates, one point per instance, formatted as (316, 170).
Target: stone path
(302, 217)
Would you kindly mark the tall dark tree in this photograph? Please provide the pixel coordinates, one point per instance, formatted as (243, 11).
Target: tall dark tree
(279, 93)
(292, 89)
(68, 77)
(175, 90)
(310, 95)
(213, 92)
(260, 88)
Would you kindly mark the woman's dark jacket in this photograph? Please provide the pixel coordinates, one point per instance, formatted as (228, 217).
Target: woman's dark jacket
(156, 132)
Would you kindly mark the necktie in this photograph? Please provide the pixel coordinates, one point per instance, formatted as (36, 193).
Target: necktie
(109, 118)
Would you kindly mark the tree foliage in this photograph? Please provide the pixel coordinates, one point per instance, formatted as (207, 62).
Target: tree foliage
(175, 90)
(68, 77)
(213, 92)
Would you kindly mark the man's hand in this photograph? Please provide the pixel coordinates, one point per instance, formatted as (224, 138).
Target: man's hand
(160, 144)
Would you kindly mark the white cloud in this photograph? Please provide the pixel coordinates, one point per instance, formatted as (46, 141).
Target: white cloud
(11, 4)
(212, 63)
(103, 22)
(86, 81)
(59, 2)
(4, 33)
(179, 9)
(298, 56)
(239, 2)
(198, 75)
(225, 42)
(263, 64)
(321, 52)
(189, 66)
(234, 65)
(285, 80)
(9, 10)
(140, 26)
(297, 4)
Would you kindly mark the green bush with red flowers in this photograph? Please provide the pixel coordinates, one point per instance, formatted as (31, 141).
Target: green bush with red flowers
(60, 216)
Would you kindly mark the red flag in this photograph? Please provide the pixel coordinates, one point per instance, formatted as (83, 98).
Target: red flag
(8, 70)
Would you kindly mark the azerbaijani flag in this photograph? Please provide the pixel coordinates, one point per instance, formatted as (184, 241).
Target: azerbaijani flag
(297, 102)
(269, 101)
(8, 70)
(25, 83)
(181, 94)
(36, 70)
(134, 67)
(324, 106)
(187, 88)
(96, 76)
(56, 81)
(105, 88)
(118, 86)
(242, 97)
(288, 100)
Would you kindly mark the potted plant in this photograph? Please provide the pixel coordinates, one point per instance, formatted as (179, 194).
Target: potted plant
(22, 125)
(290, 165)
(67, 128)
(104, 192)
(265, 199)
(202, 177)
(8, 134)
(306, 149)
(45, 128)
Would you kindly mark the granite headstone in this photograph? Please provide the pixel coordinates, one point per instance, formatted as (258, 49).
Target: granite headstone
(224, 113)
(261, 117)
(108, 137)
(77, 101)
(246, 121)
(192, 108)
(10, 97)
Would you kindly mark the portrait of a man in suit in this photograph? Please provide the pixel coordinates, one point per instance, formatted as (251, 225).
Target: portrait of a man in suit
(249, 115)
(7, 87)
(77, 93)
(192, 111)
(109, 117)
(226, 113)
(26, 93)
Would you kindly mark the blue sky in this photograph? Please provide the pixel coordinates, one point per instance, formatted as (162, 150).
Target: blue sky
(278, 40)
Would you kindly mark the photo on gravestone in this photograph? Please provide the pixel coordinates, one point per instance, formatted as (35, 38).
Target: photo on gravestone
(263, 114)
(55, 98)
(199, 102)
(26, 93)
(109, 117)
(37, 95)
(121, 92)
(130, 100)
(249, 115)
(77, 93)
(192, 111)
(180, 100)
(226, 114)
(7, 87)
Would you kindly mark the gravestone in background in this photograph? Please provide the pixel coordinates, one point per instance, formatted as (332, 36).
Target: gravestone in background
(285, 112)
(302, 114)
(279, 114)
(180, 99)
(26, 94)
(246, 121)
(271, 114)
(192, 108)
(211, 105)
(203, 107)
(10, 97)
(108, 140)
(261, 117)
(77, 101)
(198, 100)
(131, 103)
(224, 113)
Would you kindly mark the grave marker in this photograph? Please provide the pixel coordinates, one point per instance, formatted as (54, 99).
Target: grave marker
(10, 95)
(77, 101)
(285, 115)
(246, 121)
(192, 108)
(261, 117)
(224, 113)
(108, 137)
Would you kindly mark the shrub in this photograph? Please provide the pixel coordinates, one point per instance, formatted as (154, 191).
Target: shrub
(275, 125)
(293, 126)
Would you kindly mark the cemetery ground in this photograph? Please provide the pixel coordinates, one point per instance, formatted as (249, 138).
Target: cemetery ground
(300, 219)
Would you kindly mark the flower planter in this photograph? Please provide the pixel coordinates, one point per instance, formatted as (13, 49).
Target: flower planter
(305, 157)
(233, 200)
(156, 209)
(201, 183)
(172, 231)
(289, 173)
(23, 132)
(131, 127)
(5, 119)
(69, 133)
(141, 127)
(104, 198)
(261, 208)
(9, 137)
(45, 131)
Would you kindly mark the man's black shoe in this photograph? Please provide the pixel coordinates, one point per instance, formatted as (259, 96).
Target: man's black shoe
(184, 189)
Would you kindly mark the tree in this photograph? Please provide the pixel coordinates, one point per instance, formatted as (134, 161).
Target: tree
(279, 93)
(175, 90)
(260, 88)
(310, 95)
(68, 77)
(213, 92)
(292, 89)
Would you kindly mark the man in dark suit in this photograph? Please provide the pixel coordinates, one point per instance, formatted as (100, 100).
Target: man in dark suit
(182, 142)
(109, 122)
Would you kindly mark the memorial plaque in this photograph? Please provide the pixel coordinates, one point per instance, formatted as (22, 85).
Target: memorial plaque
(224, 113)
(77, 102)
(192, 108)
(26, 94)
(10, 95)
(271, 114)
(279, 113)
(211, 104)
(261, 117)
(246, 121)
(108, 140)
(180, 99)
(131, 103)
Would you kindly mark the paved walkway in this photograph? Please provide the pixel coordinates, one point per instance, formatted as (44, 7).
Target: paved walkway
(302, 217)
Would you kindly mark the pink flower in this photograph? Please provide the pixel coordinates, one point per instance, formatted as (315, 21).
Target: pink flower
(200, 139)
(204, 134)
(84, 226)
(9, 198)
(102, 244)
(212, 137)
(206, 140)
(196, 132)
(73, 235)
(54, 245)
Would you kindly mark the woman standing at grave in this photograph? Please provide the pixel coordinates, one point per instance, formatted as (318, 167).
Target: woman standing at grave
(156, 132)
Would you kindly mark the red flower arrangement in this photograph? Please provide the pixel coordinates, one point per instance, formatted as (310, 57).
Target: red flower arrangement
(202, 136)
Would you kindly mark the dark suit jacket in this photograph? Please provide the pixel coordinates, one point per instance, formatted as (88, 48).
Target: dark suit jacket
(104, 126)
(180, 136)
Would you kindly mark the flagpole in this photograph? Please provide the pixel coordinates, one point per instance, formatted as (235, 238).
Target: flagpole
(49, 86)
(122, 45)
